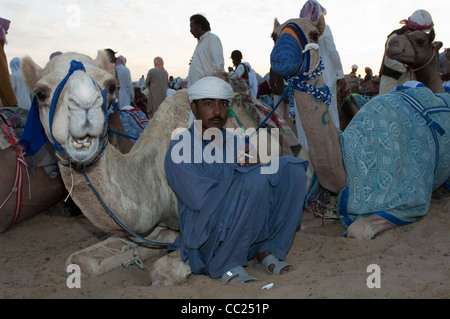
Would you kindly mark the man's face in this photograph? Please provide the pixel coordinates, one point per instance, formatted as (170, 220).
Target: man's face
(212, 112)
(196, 30)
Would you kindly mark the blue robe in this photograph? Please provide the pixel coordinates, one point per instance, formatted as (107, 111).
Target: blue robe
(228, 213)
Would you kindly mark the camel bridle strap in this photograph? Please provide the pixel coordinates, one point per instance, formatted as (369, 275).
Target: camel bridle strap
(76, 66)
(298, 81)
(114, 216)
(432, 57)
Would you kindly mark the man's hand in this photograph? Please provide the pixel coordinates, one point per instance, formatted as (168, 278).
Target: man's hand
(248, 157)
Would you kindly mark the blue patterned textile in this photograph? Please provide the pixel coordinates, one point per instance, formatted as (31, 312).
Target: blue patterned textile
(395, 156)
(134, 121)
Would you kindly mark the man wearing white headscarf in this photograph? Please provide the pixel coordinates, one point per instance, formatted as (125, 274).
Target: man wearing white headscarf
(333, 75)
(22, 94)
(228, 211)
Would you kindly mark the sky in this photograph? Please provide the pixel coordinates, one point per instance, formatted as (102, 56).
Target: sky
(141, 30)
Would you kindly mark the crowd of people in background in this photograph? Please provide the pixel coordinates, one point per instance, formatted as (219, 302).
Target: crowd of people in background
(208, 94)
(150, 91)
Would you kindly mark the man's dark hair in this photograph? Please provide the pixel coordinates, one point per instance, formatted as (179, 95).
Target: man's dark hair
(199, 19)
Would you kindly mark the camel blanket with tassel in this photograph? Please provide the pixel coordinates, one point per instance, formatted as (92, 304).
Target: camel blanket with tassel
(397, 152)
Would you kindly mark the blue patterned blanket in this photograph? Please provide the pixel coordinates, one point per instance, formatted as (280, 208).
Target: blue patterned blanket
(396, 151)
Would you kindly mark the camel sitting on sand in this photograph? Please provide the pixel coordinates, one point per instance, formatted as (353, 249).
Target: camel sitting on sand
(25, 191)
(128, 190)
(391, 156)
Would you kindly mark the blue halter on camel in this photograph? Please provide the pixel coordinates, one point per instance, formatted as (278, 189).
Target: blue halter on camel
(34, 136)
(77, 66)
(291, 59)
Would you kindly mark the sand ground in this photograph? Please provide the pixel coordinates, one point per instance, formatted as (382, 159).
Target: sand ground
(413, 260)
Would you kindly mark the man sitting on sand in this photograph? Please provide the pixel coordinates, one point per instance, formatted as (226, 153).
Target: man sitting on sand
(229, 212)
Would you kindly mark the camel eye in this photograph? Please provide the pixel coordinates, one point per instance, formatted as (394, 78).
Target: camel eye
(112, 89)
(420, 42)
(314, 36)
(41, 96)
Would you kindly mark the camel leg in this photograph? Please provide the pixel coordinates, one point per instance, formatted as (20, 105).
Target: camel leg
(323, 140)
(368, 227)
(116, 251)
(170, 270)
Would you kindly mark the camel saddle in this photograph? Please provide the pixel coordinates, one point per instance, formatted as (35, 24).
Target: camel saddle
(12, 123)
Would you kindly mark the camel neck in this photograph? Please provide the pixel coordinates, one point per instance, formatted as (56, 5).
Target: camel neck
(429, 76)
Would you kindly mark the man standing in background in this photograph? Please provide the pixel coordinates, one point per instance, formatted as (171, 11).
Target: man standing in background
(157, 83)
(208, 54)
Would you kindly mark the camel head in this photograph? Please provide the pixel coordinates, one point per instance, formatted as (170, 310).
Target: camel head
(414, 48)
(79, 114)
(296, 46)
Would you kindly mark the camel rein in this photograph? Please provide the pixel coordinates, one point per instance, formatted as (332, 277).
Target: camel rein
(114, 216)
(428, 62)
(18, 180)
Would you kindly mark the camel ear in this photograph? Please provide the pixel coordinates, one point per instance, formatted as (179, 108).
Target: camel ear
(321, 25)
(431, 35)
(31, 72)
(102, 61)
(276, 23)
(274, 35)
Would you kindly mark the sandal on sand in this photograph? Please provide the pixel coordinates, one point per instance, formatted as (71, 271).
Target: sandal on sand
(279, 265)
(239, 274)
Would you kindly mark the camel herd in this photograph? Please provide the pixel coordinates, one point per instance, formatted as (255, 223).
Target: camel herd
(130, 178)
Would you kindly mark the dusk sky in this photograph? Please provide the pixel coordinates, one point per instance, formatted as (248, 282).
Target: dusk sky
(141, 30)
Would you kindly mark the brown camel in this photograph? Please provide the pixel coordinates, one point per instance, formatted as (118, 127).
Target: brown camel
(24, 191)
(417, 50)
(343, 173)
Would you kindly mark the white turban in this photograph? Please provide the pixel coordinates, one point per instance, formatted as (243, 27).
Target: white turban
(210, 87)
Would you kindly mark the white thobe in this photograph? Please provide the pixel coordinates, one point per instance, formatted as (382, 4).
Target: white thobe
(126, 90)
(207, 58)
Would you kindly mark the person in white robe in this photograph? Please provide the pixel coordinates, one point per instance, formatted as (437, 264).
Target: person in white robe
(333, 74)
(22, 93)
(126, 90)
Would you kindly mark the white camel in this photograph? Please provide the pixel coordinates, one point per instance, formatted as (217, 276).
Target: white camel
(133, 186)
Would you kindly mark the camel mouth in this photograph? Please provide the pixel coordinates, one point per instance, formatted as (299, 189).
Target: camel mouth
(81, 143)
(82, 150)
(394, 54)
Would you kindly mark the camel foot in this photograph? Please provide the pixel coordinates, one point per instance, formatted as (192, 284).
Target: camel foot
(367, 228)
(170, 270)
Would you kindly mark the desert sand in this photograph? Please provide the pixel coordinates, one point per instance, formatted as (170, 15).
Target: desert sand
(413, 260)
